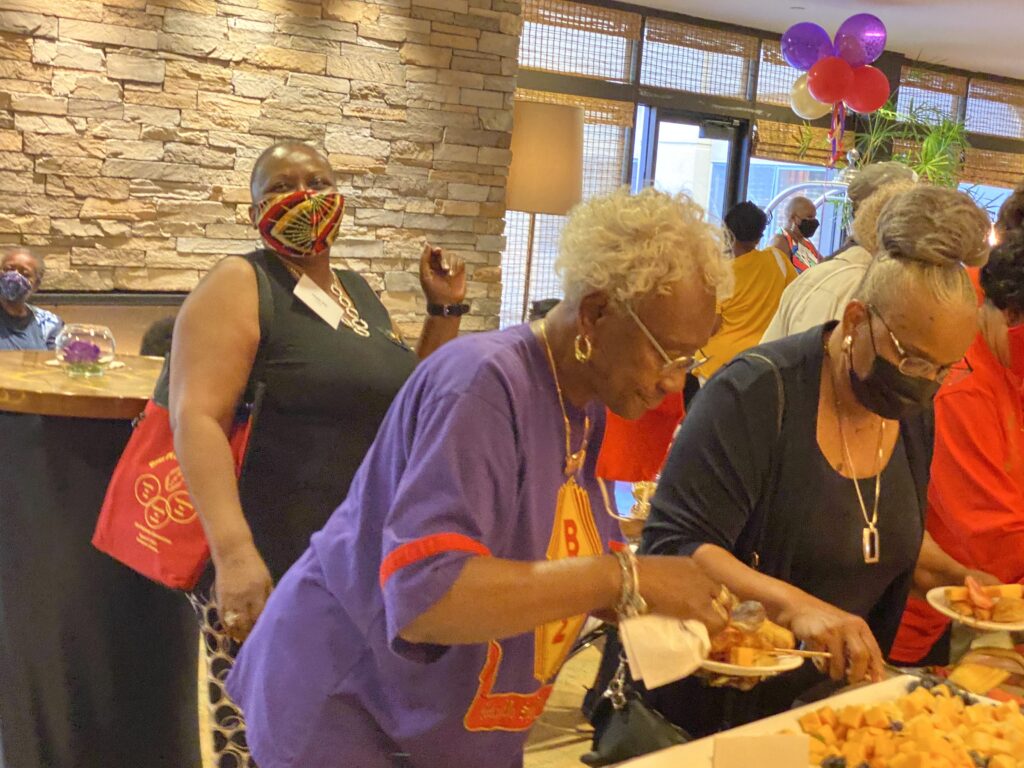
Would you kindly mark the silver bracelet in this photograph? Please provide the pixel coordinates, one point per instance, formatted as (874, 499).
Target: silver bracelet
(631, 602)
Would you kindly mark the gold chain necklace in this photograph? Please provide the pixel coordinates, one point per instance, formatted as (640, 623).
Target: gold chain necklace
(350, 314)
(573, 461)
(870, 538)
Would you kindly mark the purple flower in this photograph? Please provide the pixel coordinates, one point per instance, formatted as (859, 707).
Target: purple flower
(78, 352)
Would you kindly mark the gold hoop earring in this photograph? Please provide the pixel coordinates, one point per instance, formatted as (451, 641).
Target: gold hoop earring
(583, 348)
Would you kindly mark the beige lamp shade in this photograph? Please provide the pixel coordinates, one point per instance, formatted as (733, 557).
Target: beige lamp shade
(547, 158)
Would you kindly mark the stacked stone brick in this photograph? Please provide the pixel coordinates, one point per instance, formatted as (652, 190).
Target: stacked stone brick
(128, 129)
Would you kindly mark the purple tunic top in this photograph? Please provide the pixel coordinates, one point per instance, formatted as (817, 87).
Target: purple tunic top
(467, 463)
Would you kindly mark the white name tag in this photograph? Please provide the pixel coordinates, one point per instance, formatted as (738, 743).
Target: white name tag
(317, 299)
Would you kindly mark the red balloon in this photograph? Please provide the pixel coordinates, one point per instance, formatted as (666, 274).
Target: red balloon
(830, 79)
(869, 91)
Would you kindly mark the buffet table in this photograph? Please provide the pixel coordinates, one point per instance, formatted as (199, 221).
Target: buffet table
(97, 664)
(704, 753)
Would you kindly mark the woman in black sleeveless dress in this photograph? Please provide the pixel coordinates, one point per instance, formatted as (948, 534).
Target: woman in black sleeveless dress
(314, 352)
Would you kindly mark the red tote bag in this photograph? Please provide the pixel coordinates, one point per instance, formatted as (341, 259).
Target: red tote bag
(148, 521)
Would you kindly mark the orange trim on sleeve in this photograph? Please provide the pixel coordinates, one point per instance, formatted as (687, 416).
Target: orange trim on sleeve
(616, 546)
(420, 549)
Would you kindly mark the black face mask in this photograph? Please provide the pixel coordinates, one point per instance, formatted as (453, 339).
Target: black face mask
(889, 393)
(808, 227)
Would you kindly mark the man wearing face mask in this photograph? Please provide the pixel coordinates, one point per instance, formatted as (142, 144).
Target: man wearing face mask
(316, 353)
(23, 326)
(795, 238)
(976, 498)
(818, 511)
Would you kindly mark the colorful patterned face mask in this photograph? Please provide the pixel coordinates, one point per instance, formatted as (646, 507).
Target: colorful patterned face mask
(301, 223)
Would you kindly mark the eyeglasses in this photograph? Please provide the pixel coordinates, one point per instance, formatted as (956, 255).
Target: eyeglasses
(920, 367)
(672, 366)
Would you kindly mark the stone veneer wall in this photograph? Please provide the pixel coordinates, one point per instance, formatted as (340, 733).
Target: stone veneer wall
(128, 129)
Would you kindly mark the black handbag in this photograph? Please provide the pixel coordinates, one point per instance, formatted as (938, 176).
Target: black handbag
(625, 727)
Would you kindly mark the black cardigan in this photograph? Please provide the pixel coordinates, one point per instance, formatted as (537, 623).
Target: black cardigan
(733, 479)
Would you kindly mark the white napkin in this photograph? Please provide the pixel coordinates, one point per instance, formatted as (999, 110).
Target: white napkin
(661, 650)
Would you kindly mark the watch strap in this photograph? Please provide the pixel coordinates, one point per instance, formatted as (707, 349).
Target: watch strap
(447, 310)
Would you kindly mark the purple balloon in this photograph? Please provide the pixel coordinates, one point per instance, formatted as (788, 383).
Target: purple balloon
(804, 44)
(861, 39)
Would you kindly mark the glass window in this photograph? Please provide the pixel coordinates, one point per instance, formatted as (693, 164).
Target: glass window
(687, 57)
(606, 127)
(579, 39)
(987, 197)
(688, 163)
(767, 182)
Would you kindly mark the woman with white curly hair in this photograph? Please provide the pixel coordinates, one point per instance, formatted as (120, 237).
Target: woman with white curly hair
(425, 624)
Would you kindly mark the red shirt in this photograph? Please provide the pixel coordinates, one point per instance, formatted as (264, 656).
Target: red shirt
(976, 496)
(633, 451)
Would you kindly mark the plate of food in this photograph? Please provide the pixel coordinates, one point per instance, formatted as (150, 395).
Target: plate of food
(998, 608)
(752, 646)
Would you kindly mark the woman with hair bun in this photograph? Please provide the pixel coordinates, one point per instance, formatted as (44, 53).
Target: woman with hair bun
(976, 497)
(800, 480)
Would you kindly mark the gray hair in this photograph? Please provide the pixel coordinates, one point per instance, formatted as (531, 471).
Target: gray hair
(925, 237)
(871, 178)
(792, 203)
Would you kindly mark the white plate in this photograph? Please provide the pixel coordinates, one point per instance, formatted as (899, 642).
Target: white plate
(782, 664)
(937, 600)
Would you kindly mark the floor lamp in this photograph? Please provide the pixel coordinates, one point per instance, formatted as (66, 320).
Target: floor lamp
(546, 175)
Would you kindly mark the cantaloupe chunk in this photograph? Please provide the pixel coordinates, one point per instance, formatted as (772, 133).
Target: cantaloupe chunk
(826, 734)
(876, 716)
(810, 721)
(854, 753)
(828, 716)
(852, 717)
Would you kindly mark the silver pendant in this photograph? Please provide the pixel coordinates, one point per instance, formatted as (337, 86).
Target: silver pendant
(870, 542)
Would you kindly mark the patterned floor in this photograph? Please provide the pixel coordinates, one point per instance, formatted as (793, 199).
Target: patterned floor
(559, 737)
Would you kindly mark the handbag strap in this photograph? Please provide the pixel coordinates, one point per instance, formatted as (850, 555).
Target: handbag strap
(766, 498)
(266, 320)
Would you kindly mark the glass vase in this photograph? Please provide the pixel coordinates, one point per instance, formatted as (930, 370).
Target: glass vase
(84, 350)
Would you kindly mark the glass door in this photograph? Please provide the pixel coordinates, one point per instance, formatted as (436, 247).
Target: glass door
(678, 153)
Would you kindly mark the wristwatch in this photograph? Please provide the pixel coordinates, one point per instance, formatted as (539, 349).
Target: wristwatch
(447, 310)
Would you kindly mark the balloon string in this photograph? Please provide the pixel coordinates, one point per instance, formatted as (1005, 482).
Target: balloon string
(837, 131)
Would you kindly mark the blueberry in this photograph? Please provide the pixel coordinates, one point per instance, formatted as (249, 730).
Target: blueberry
(896, 726)
(833, 762)
(979, 761)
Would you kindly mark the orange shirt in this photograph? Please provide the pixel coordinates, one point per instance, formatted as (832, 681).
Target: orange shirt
(633, 451)
(976, 495)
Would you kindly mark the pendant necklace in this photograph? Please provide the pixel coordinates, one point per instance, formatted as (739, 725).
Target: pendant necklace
(870, 538)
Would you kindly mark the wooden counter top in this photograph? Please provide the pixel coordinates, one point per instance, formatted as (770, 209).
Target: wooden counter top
(29, 385)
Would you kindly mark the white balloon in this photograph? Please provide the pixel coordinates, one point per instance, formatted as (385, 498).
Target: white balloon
(805, 105)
